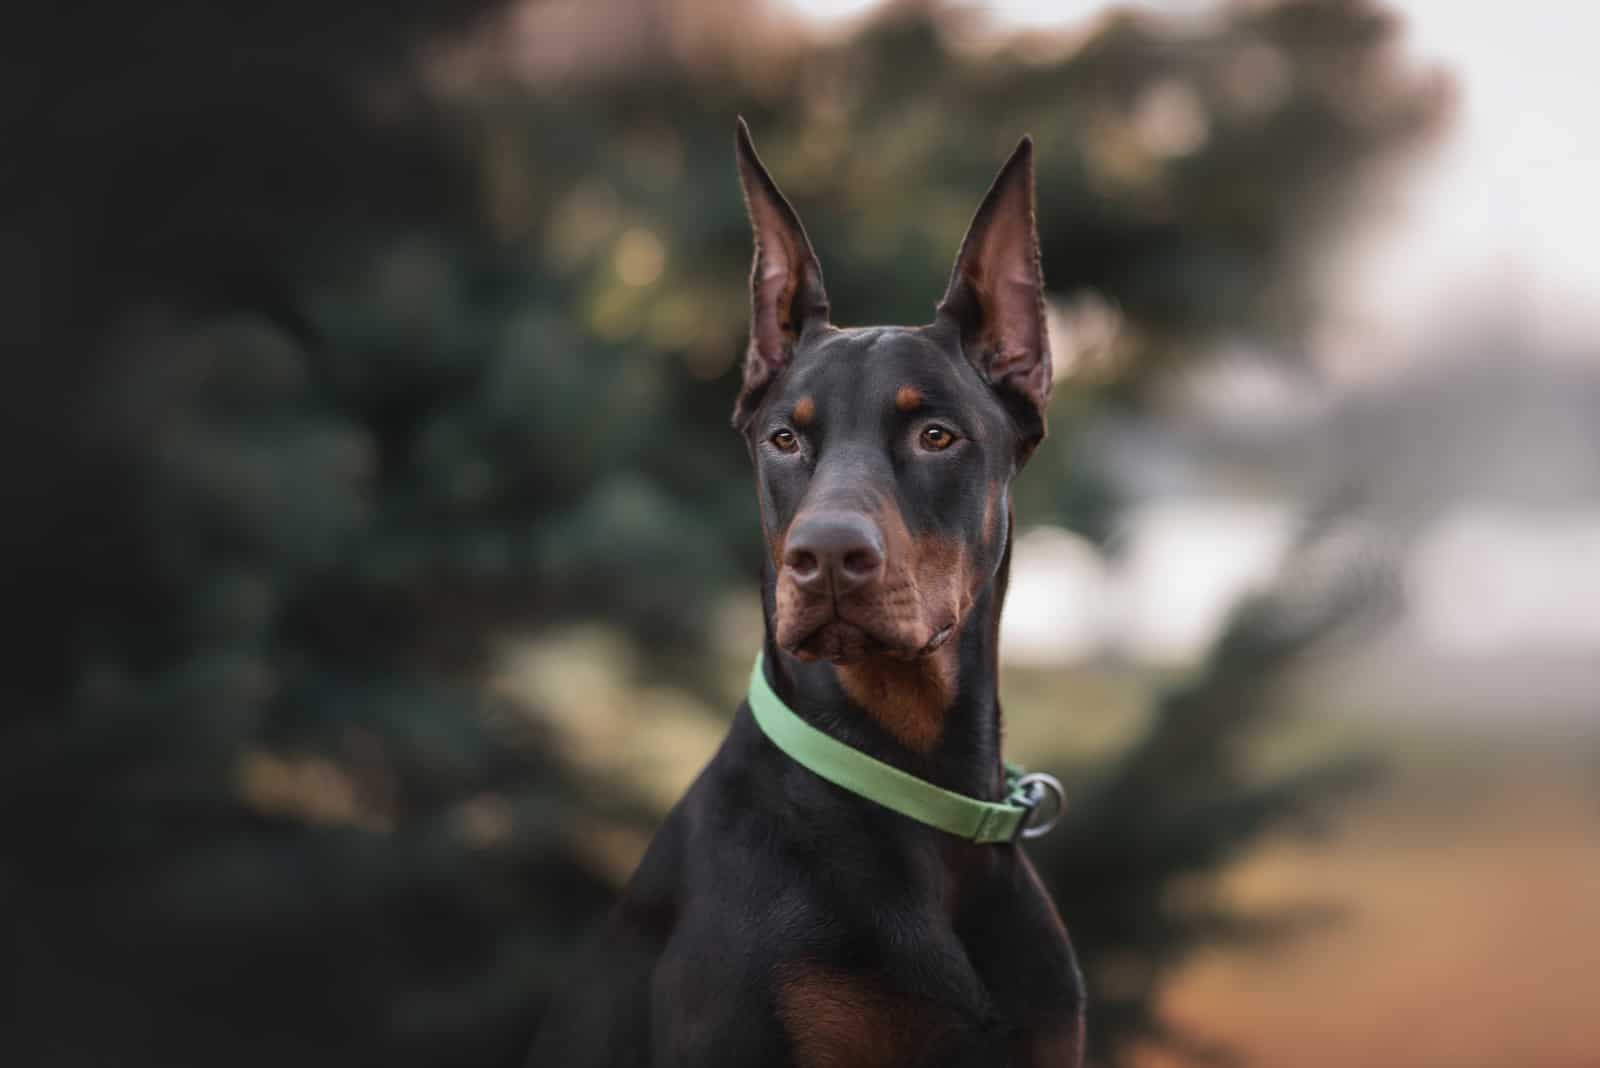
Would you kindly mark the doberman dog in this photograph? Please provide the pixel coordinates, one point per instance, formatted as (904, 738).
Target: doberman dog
(776, 918)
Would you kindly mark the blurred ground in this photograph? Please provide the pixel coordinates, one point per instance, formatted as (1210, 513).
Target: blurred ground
(1468, 927)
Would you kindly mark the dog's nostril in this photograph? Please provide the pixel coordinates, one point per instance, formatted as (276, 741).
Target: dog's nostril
(861, 562)
(802, 562)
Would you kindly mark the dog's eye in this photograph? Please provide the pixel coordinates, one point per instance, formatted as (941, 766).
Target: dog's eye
(936, 438)
(784, 440)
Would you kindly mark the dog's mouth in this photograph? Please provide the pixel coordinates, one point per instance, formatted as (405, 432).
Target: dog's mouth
(841, 641)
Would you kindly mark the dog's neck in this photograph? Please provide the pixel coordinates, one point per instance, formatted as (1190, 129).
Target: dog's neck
(937, 717)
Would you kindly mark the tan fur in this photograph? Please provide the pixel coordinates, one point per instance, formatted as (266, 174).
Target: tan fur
(805, 410)
(775, 544)
(988, 514)
(908, 398)
(837, 1020)
(906, 698)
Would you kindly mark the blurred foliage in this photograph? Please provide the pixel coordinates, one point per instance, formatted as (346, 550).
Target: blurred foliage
(335, 355)
(1133, 869)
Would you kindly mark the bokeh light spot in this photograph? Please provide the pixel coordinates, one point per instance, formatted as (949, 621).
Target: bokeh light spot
(640, 257)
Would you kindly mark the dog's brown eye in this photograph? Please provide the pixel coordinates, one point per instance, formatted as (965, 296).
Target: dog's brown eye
(936, 438)
(785, 441)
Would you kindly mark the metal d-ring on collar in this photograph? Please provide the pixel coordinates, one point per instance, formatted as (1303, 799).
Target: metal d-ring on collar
(976, 820)
(1029, 790)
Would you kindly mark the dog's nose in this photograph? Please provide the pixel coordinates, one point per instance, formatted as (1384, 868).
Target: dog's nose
(838, 550)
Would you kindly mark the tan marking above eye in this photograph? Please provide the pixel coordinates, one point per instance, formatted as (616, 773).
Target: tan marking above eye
(805, 410)
(908, 398)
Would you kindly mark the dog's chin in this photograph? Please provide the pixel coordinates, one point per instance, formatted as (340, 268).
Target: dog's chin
(841, 642)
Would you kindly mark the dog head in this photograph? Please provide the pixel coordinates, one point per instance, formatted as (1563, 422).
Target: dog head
(884, 455)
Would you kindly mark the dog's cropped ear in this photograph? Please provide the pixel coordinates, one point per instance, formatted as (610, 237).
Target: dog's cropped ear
(996, 297)
(786, 292)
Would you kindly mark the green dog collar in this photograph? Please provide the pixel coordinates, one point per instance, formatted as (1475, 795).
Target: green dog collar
(984, 822)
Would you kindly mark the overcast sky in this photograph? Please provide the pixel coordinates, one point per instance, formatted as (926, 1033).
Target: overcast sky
(1505, 211)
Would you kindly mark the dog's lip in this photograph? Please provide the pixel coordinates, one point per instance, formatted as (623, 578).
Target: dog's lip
(940, 636)
(804, 647)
